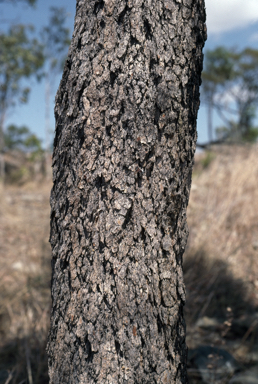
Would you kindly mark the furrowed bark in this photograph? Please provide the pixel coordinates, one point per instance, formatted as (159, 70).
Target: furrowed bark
(125, 139)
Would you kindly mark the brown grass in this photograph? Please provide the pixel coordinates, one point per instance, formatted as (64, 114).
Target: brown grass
(221, 261)
(24, 283)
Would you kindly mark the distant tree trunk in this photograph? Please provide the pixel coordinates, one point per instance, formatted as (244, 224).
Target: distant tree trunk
(125, 139)
(47, 127)
(210, 128)
(2, 162)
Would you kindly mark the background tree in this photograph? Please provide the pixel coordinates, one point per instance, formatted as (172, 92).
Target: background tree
(56, 39)
(123, 153)
(20, 138)
(245, 94)
(230, 86)
(20, 58)
(218, 70)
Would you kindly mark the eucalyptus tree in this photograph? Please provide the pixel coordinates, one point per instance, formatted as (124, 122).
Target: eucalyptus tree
(56, 39)
(230, 87)
(218, 71)
(21, 57)
(244, 94)
(125, 139)
(22, 139)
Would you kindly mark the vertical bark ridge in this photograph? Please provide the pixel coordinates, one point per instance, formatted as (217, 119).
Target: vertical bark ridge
(125, 139)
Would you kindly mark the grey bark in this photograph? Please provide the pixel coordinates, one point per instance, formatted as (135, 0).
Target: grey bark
(125, 139)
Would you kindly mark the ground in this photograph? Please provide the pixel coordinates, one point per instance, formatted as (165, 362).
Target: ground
(220, 266)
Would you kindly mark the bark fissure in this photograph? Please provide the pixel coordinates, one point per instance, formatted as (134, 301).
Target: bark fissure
(98, 6)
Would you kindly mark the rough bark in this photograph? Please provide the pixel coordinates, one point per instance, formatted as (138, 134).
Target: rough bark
(125, 139)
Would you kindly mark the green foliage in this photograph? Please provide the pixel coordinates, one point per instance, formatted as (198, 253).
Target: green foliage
(207, 159)
(19, 174)
(20, 57)
(230, 85)
(247, 129)
(219, 67)
(22, 139)
(252, 135)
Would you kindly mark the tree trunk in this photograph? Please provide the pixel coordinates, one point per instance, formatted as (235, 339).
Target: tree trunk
(210, 128)
(2, 162)
(47, 127)
(125, 139)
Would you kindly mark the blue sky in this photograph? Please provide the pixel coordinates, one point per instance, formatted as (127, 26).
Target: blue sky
(231, 23)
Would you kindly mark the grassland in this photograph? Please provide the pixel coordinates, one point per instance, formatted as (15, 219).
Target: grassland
(220, 264)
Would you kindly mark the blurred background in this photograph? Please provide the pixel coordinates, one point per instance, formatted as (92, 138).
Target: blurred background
(221, 260)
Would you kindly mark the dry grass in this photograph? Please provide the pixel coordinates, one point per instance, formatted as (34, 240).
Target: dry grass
(24, 283)
(223, 207)
(221, 263)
